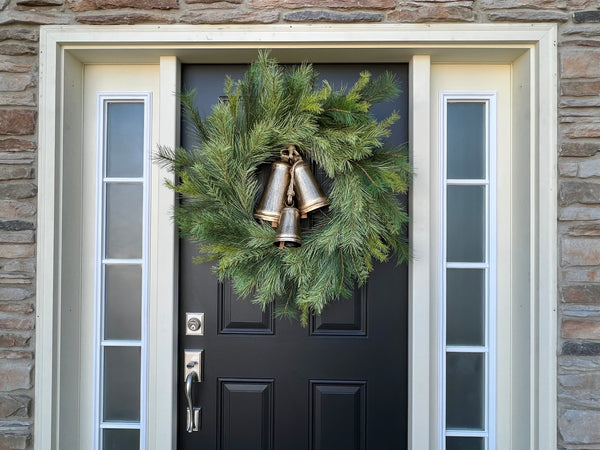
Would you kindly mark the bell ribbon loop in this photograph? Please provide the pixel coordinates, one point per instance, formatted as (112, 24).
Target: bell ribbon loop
(290, 192)
(293, 157)
(290, 154)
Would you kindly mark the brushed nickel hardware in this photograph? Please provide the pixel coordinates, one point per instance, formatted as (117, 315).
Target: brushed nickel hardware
(192, 373)
(194, 324)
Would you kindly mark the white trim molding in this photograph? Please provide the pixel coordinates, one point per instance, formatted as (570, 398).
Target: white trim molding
(530, 51)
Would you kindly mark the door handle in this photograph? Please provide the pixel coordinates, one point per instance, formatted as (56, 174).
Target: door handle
(192, 373)
(191, 422)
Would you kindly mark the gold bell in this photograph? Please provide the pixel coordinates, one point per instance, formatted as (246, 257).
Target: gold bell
(309, 195)
(273, 197)
(288, 231)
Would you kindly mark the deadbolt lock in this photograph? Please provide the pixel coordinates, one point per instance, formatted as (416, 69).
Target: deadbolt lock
(194, 324)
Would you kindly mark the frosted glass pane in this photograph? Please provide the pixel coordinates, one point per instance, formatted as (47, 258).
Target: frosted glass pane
(466, 224)
(122, 383)
(121, 440)
(466, 140)
(124, 206)
(465, 443)
(465, 312)
(123, 312)
(125, 140)
(465, 383)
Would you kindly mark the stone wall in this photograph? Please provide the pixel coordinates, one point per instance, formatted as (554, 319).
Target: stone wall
(579, 228)
(579, 167)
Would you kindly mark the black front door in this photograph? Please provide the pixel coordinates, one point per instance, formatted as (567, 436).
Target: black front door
(338, 384)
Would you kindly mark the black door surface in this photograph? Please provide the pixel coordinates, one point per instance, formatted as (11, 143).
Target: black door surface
(338, 384)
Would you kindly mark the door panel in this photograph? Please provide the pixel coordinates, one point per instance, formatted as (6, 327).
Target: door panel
(338, 384)
(345, 318)
(337, 405)
(237, 316)
(245, 414)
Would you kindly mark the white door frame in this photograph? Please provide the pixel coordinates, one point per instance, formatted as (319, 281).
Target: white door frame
(530, 49)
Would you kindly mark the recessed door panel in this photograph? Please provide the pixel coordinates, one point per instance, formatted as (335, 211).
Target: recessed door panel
(238, 316)
(338, 415)
(246, 414)
(346, 317)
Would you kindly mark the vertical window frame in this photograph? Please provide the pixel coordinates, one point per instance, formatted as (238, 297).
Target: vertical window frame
(101, 261)
(489, 98)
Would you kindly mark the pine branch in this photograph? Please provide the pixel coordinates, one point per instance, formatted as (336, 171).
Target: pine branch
(267, 110)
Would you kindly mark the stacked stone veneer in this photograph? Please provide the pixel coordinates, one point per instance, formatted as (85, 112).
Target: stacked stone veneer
(578, 344)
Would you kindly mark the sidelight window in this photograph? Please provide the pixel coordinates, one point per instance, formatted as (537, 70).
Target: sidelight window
(122, 271)
(467, 270)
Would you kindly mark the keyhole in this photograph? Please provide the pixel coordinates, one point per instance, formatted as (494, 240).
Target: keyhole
(194, 324)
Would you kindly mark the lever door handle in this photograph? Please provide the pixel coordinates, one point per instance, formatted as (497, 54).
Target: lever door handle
(192, 424)
(192, 373)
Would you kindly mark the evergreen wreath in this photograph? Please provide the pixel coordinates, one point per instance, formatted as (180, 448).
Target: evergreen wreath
(268, 110)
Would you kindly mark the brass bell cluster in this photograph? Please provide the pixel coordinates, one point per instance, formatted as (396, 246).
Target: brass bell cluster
(290, 179)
